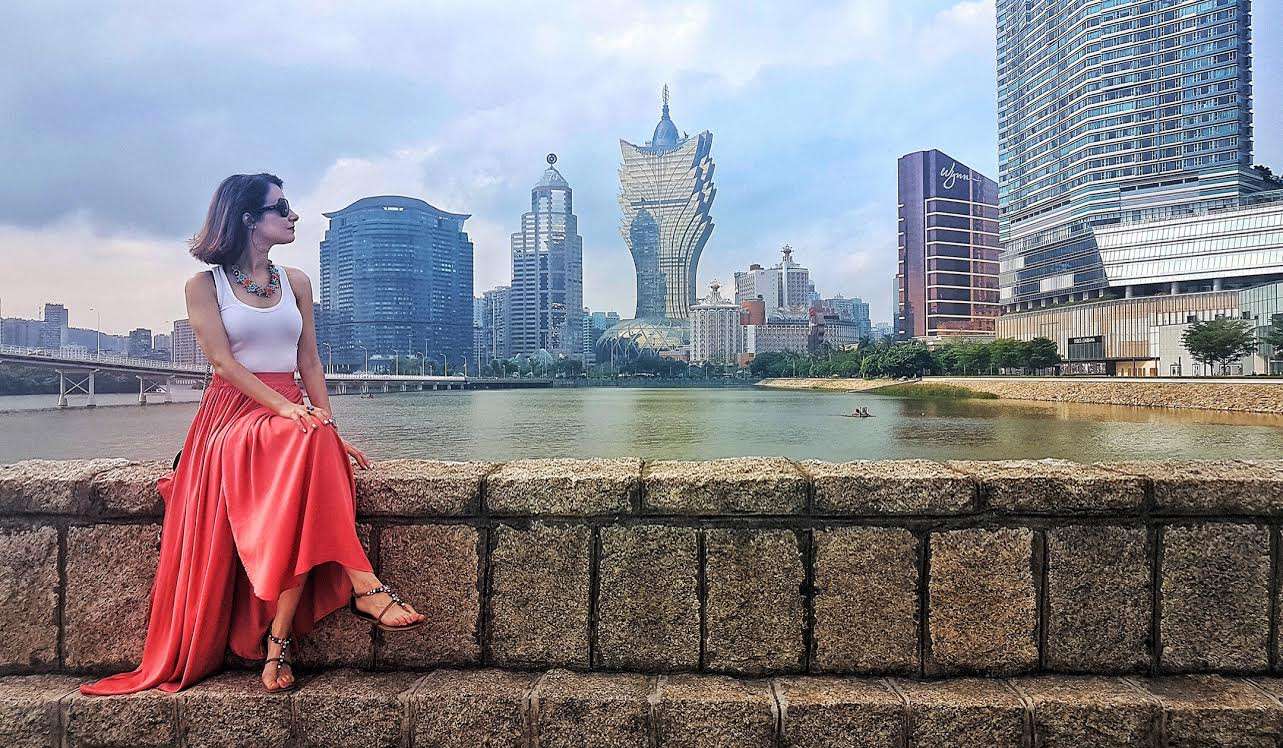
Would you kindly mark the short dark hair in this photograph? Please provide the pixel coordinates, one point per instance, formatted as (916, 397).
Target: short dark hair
(222, 239)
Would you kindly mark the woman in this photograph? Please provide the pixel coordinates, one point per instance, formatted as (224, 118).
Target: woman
(259, 534)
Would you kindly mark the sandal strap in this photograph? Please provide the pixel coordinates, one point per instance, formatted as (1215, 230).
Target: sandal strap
(396, 599)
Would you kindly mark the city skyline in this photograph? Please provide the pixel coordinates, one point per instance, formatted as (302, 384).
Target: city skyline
(804, 155)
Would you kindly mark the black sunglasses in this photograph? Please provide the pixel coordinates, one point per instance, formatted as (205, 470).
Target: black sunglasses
(282, 208)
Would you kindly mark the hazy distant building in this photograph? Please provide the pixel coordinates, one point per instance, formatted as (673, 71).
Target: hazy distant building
(785, 288)
(496, 305)
(853, 312)
(186, 351)
(162, 343)
(666, 195)
(716, 333)
(53, 334)
(140, 345)
(778, 336)
(548, 272)
(21, 332)
(948, 248)
(396, 274)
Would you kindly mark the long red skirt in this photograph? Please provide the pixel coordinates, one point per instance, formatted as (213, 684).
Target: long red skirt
(254, 508)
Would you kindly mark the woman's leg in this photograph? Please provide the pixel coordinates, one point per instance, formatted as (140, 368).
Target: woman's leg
(273, 675)
(373, 604)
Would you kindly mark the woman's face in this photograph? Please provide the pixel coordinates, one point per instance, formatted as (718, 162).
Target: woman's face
(271, 227)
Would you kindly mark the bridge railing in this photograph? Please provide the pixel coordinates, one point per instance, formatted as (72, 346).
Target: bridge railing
(75, 356)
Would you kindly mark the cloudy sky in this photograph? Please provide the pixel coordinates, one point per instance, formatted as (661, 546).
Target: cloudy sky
(118, 122)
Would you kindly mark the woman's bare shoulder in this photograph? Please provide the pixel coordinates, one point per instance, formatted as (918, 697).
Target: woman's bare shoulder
(201, 281)
(296, 275)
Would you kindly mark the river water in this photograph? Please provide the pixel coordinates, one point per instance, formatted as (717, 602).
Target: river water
(675, 423)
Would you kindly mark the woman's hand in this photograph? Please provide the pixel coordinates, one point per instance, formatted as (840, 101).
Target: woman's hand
(356, 454)
(306, 416)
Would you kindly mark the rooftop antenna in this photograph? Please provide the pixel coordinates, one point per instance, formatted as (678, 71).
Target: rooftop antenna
(665, 97)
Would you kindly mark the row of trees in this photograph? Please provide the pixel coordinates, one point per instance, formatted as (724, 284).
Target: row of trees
(1221, 342)
(910, 359)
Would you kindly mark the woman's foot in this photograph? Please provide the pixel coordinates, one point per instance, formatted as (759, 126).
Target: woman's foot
(399, 614)
(277, 676)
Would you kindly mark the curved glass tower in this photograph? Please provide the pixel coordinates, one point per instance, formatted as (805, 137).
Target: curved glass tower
(665, 195)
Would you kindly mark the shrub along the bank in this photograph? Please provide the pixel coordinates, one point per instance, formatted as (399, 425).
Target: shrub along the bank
(880, 359)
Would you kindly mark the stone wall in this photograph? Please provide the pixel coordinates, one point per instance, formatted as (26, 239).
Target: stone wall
(1247, 395)
(748, 567)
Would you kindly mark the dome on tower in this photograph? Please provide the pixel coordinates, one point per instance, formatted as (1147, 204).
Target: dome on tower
(665, 135)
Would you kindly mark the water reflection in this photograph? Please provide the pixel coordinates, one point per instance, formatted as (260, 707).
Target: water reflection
(689, 424)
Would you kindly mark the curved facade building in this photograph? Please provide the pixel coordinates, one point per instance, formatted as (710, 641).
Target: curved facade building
(665, 196)
(396, 275)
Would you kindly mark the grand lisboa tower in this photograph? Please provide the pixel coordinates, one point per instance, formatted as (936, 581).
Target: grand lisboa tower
(665, 194)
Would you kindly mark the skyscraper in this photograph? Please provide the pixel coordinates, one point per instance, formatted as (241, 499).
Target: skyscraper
(185, 348)
(548, 272)
(665, 196)
(496, 307)
(947, 274)
(53, 334)
(1108, 112)
(396, 275)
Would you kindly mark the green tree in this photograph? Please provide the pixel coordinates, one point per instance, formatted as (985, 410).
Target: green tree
(973, 358)
(1043, 353)
(1009, 353)
(1219, 341)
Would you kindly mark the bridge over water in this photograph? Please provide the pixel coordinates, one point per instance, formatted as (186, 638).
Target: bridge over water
(77, 374)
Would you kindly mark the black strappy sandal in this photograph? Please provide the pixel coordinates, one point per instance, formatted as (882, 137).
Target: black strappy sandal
(282, 661)
(378, 620)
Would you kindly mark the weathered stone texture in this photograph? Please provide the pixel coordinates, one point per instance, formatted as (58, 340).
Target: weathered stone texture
(1090, 712)
(420, 487)
(28, 596)
(592, 709)
(129, 489)
(1206, 710)
(866, 601)
(1099, 599)
(983, 604)
(539, 596)
(146, 718)
(890, 487)
(711, 710)
(648, 601)
(754, 604)
(1050, 485)
(820, 712)
(351, 708)
(435, 569)
(1210, 486)
(340, 639)
(461, 709)
(29, 709)
(233, 709)
(748, 485)
(50, 486)
(110, 569)
(563, 486)
(1215, 598)
(964, 712)
(1244, 395)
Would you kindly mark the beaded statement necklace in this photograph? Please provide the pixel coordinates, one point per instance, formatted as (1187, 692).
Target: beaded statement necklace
(273, 283)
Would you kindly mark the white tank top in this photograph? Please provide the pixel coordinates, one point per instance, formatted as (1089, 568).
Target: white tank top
(261, 339)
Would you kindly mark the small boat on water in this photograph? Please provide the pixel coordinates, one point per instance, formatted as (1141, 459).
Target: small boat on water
(858, 413)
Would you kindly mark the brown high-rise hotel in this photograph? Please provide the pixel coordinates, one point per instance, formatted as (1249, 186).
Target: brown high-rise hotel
(947, 276)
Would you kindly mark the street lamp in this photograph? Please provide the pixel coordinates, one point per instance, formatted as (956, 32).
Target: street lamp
(329, 358)
(445, 365)
(97, 330)
(396, 361)
(419, 356)
(366, 366)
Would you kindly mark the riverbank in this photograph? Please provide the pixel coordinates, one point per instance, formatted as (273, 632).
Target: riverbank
(1243, 395)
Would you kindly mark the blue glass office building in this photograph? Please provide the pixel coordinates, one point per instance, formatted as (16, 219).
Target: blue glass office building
(1113, 111)
(396, 275)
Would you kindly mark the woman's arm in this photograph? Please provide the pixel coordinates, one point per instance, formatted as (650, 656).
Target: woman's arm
(309, 359)
(207, 323)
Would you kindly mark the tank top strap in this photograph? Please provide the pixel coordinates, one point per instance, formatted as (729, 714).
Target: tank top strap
(221, 288)
(286, 292)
